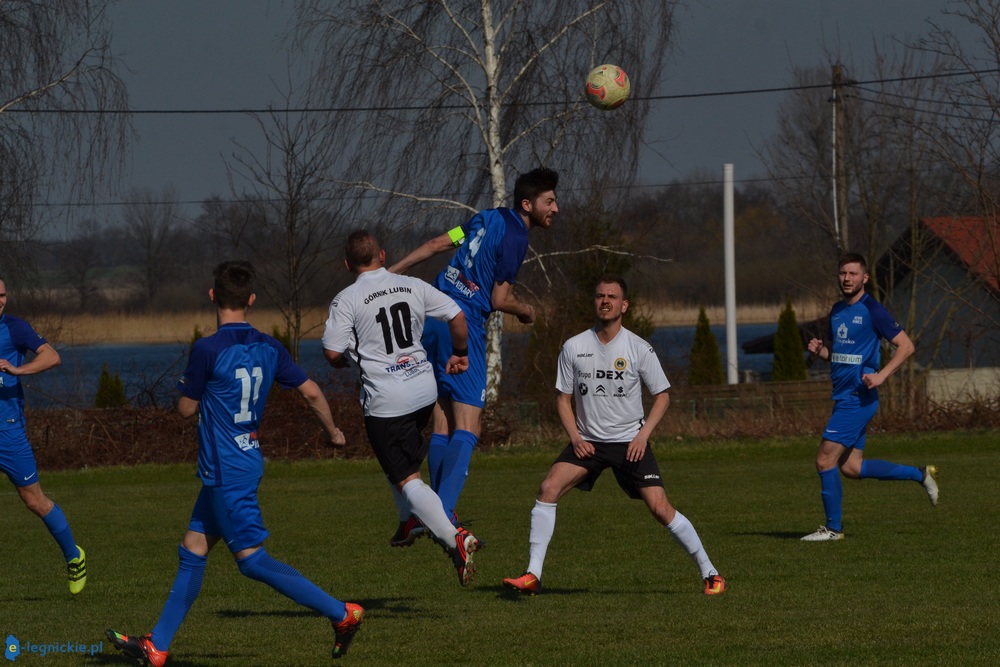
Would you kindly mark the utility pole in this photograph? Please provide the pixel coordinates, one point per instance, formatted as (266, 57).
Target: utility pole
(839, 172)
(729, 241)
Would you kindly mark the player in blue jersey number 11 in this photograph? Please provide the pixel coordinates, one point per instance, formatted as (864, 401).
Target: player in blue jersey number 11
(226, 384)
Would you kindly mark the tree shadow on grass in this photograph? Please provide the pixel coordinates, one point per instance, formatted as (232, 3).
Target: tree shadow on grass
(774, 534)
(391, 605)
(504, 593)
(387, 604)
(198, 660)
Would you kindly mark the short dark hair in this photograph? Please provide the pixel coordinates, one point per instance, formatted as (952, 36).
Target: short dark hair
(535, 182)
(233, 284)
(614, 278)
(853, 258)
(361, 249)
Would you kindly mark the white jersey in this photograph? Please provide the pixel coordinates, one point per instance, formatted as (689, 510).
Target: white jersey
(379, 320)
(606, 383)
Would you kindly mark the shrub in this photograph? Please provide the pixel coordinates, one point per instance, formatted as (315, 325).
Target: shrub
(706, 360)
(110, 391)
(284, 338)
(789, 355)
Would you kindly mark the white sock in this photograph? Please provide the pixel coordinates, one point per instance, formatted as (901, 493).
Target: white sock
(402, 507)
(686, 536)
(543, 524)
(426, 505)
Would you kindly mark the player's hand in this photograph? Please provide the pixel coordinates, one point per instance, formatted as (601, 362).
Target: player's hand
(871, 380)
(583, 449)
(527, 317)
(8, 367)
(342, 362)
(636, 450)
(336, 437)
(457, 365)
(815, 345)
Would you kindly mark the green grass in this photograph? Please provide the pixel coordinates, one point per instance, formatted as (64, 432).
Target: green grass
(910, 585)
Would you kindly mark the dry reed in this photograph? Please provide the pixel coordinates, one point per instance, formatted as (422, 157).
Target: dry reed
(89, 329)
(92, 329)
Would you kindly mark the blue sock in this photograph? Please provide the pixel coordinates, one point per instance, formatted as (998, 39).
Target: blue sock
(58, 526)
(886, 470)
(436, 453)
(833, 495)
(456, 469)
(183, 593)
(286, 580)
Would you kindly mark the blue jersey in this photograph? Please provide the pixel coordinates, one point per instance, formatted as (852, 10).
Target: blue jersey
(230, 374)
(856, 331)
(16, 338)
(496, 241)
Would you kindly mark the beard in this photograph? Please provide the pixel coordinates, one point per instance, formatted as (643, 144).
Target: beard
(848, 292)
(537, 219)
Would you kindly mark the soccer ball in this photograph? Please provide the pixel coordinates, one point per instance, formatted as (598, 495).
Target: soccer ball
(607, 87)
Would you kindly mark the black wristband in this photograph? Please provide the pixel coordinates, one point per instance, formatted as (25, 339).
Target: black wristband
(460, 351)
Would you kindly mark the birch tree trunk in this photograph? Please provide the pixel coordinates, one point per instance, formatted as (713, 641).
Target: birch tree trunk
(442, 103)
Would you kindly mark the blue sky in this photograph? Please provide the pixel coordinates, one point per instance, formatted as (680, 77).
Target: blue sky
(224, 54)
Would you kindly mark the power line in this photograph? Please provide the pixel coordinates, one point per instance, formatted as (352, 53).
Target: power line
(273, 200)
(859, 85)
(426, 107)
(824, 86)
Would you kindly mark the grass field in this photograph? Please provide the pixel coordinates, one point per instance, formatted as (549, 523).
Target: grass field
(910, 585)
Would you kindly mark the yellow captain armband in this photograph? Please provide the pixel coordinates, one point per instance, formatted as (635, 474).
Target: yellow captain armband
(456, 235)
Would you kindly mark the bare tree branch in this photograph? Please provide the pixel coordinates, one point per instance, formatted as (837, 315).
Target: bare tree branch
(55, 56)
(499, 91)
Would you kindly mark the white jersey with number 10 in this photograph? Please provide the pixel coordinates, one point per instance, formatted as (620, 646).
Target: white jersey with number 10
(379, 321)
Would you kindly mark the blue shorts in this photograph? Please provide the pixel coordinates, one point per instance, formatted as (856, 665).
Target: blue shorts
(847, 425)
(232, 513)
(16, 458)
(468, 387)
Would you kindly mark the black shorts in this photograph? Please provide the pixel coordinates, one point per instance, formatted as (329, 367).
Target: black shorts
(398, 442)
(631, 476)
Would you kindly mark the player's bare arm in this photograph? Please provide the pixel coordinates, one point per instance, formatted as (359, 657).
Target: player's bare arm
(564, 408)
(46, 357)
(187, 407)
(637, 448)
(904, 350)
(503, 299)
(436, 245)
(458, 362)
(321, 408)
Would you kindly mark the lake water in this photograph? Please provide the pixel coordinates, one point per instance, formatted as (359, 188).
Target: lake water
(150, 372)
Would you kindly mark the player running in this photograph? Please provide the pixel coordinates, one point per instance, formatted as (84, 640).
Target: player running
(17, 460)
(602, 371)
(226, 384)
(858, 323)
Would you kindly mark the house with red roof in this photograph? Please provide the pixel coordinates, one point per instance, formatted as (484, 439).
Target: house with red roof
(945, 270)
